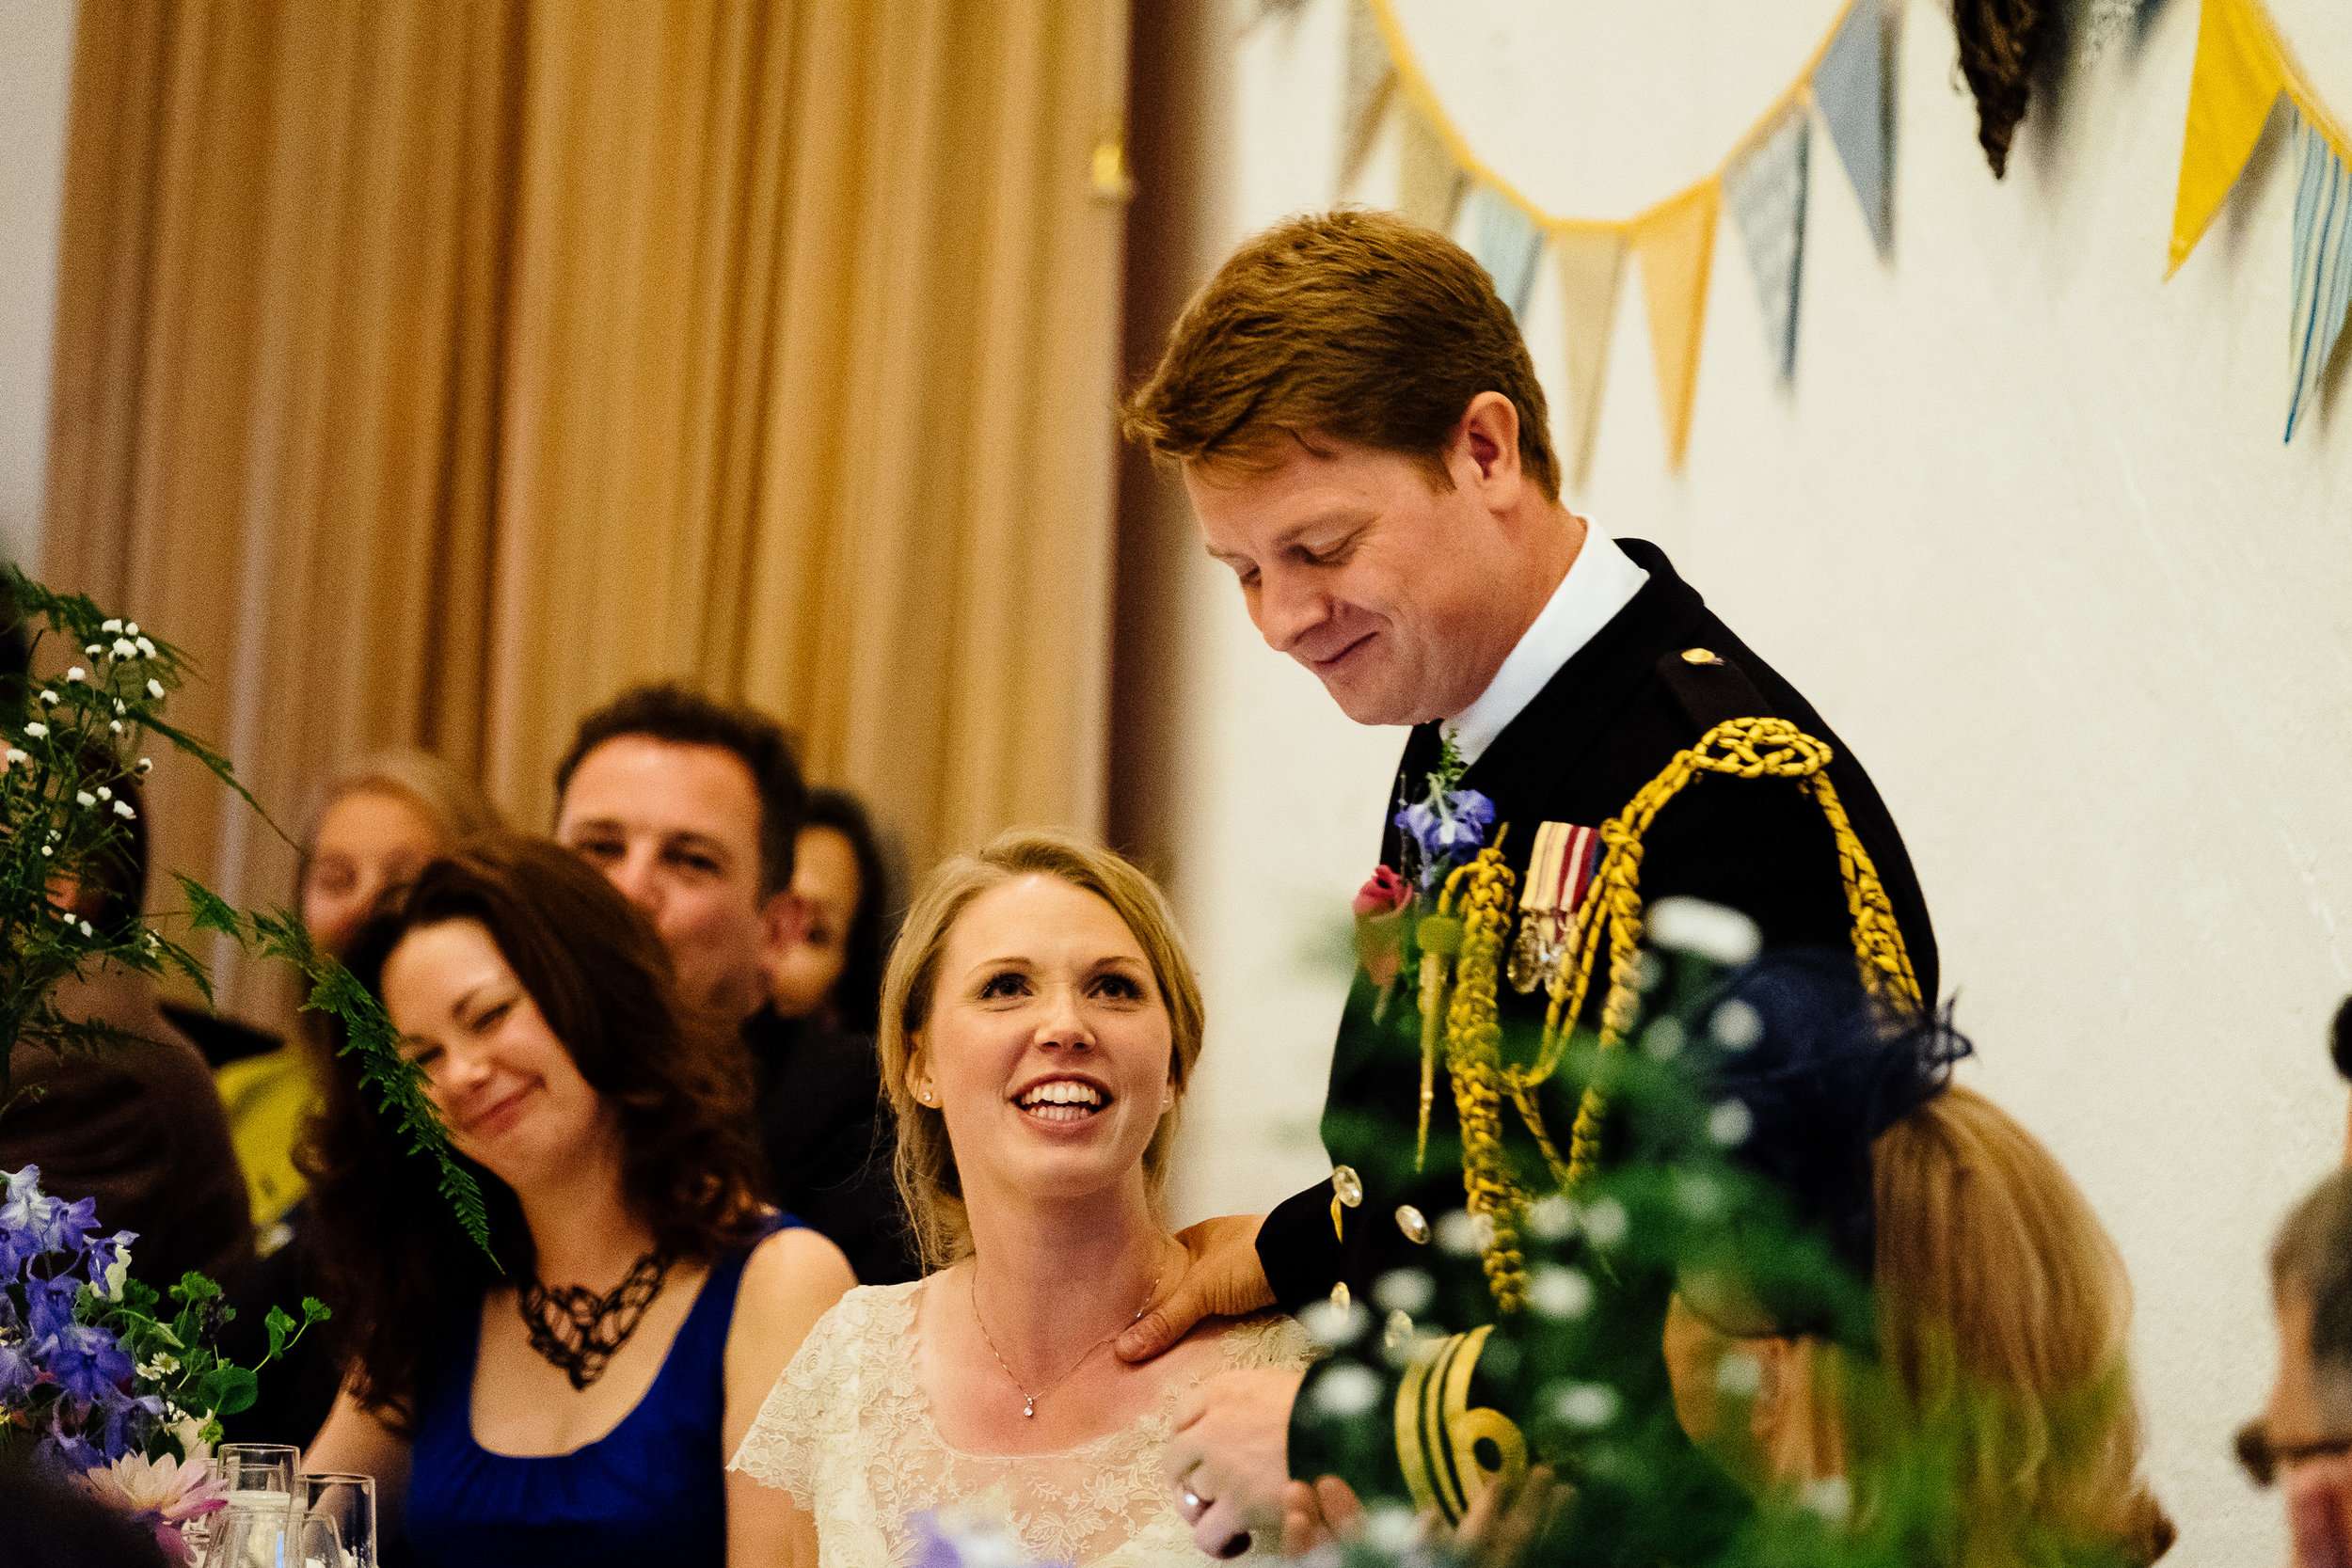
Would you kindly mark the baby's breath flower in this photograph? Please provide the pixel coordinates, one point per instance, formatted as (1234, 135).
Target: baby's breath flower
(37, 729)
(147, 766)
(85, 798)
(49, 697)
(109, 626)
(131, 629)
(123, 809)
(124, 647)
(146, 647)
(87, 930)
(95, 649)
(154, 687)
(15, 756)
(105, 794)
(77, 673)
(48, 852)
(115, 725)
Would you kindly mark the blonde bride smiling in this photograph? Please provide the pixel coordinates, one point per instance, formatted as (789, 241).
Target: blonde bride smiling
(1040, 1021)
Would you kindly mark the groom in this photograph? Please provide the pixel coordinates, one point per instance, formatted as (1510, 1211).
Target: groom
(1363, 440)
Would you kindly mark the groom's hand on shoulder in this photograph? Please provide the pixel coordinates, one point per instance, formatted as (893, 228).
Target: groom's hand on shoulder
(1222, 1278)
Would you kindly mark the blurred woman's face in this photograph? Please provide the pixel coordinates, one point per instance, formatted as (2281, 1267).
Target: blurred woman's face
(366, 843)
(1048, 1047)
(825, 881)
(507, 1089)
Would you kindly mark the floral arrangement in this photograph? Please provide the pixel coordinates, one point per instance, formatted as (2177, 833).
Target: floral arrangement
(68, 748)
(1442, 832)
(95, 1383)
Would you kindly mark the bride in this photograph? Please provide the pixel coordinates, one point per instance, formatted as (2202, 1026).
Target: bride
(1040, 1021)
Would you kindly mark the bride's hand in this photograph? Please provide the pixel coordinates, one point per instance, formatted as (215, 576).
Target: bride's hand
(1222, 1278)
(1318, 1515)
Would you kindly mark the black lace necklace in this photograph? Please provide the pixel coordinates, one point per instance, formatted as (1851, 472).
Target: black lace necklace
(578, 1331)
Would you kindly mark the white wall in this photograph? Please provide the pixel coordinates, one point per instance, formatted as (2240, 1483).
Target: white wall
(36, 64)
(2022, 527)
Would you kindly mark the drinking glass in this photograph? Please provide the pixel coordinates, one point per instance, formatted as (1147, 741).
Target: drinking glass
(337, 1526)
(256, 1468)
(252, 1532)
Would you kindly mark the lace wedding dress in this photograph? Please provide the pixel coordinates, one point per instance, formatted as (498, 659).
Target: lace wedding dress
(849, 1433)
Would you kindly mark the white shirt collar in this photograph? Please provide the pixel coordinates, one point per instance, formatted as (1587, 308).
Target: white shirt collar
(1601, 581)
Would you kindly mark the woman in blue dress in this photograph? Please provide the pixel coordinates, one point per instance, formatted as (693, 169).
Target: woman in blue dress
(574, 1401)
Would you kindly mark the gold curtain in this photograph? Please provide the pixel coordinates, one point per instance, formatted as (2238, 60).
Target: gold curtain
(433, 368)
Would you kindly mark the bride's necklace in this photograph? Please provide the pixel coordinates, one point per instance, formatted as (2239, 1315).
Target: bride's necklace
(1028, 1400)
(578, 1331)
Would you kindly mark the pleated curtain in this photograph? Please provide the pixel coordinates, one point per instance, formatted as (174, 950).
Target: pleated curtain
(432, 370)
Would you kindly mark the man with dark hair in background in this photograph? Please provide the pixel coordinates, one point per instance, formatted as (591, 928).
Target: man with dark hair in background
(692, 808)
(137, 1126)
(2304, 1438)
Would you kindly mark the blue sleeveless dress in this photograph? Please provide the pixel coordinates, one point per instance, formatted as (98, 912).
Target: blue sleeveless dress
(651, 1490)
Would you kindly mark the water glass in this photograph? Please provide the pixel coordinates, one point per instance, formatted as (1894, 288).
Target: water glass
(336, 1527)
(257, 1468)
(252, 1532)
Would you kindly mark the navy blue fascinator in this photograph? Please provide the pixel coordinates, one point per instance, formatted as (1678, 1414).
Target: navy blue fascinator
(1822, 1070)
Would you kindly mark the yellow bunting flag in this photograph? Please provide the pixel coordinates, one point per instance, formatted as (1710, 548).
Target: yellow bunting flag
(1675, 241)
(1429, 183)
(1588, 259)
(2236, 78)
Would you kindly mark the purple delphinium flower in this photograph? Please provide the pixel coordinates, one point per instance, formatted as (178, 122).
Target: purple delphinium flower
(87, 1362)
(49, 1307)
(37, 1223)
(124, 1421)
(1448, 832)
(66, 1454)
(17, 1370)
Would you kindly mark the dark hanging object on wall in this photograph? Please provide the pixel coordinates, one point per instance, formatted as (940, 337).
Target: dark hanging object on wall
(2002, 43)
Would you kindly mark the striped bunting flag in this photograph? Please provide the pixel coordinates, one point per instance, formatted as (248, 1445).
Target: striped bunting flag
(2322, 268)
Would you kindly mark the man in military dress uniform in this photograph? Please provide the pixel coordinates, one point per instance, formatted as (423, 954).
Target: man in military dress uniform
(1364, 443)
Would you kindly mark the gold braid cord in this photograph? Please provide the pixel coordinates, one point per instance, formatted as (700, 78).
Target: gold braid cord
(1736, 748)
(1479, 894)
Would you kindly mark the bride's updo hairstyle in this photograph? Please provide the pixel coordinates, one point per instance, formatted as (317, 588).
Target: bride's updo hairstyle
(927, 1178)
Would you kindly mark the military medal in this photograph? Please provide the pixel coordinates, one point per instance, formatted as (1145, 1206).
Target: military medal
(1559, 879)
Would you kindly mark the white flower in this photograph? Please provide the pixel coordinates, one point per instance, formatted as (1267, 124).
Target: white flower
(154, 687)
(115, 725)
(84, 798)
(1605, 1222)
(1586, 1405)
(15, 756)
(47, 853)
(49, 697)
(130, 629)
(1730, 1123)
(77, 673)
(110, 625)
(105, 794)
(146, 647)
(124, 647)
(1347, 1390)
(1832, 1497)
(147, 766)
(36, 730)
(1741, 1375)
(123, 809)
(119, 707)
(95, 649)
(87, 930)
(1558, 1292)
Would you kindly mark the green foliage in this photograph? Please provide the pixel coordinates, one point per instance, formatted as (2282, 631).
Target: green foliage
(69, 742)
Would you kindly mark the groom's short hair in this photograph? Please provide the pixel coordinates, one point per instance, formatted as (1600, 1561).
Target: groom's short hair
(1352, 326)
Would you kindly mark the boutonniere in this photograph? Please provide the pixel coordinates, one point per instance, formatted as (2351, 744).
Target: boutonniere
(1399, 934)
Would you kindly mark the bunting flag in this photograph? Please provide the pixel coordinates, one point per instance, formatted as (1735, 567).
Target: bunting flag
(1587, 259)
(1364, 93)
(2322, 268)
(2242, 69)
(1675, 241)
(1766, 190)
(1851, 86)
(1766, 177)
(1506, 243)
(2237, 76)
(1428, 180)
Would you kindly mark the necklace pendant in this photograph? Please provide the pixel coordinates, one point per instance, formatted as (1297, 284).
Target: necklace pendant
(1028, 1407)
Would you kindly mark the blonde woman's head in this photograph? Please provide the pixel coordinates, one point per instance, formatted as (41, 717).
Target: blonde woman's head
(1040, 1021)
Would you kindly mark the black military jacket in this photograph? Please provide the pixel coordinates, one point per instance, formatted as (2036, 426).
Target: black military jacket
(1606, 725)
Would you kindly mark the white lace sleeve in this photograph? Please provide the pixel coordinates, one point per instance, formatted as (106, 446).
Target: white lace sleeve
(1273, 1341)
(812, 1405)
